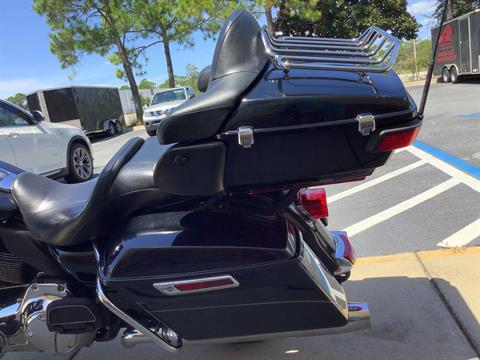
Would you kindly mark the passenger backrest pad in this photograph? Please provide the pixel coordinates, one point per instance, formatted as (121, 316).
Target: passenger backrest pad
(238, 60)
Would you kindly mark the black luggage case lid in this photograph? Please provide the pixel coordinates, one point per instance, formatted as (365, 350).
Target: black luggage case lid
(306, 129)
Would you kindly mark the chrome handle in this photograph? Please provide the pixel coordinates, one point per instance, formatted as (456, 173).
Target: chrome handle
(13, 135)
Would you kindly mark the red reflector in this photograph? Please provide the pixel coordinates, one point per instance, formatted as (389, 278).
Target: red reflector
(397, 140)
(205, 284)
(314, 202)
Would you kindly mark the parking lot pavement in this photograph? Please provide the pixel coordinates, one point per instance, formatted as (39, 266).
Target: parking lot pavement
(105, 147)
(416, 202)
(452, 118)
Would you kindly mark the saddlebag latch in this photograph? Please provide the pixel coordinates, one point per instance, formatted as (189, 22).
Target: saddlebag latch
(366, 124)
(245, 137)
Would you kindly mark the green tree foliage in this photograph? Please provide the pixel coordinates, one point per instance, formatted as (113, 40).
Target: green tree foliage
(20, 100)
(345, 18)
(405, 63)
(176, 21)
(82, 27)
(455, 8)
(124, 87)
(189, 79)
(145, 84)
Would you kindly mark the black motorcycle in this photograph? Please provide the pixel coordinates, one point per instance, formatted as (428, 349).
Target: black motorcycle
(215, 230)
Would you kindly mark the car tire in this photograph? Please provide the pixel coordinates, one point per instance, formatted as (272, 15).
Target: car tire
(111, 128)
(152, 132)
(118, 128)
(454, 78)
(80, 164)
(445, 75)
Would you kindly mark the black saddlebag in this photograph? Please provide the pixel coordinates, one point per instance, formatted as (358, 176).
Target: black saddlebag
(219, 275)
(307, 127)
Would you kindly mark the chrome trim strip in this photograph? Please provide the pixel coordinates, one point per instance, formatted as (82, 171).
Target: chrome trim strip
(6, 182)
(168, 288)
(131, 321)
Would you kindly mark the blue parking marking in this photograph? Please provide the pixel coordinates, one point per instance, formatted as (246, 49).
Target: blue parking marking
(472, 116)
(449, 158)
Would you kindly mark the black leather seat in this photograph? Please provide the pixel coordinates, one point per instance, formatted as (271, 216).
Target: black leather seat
(238, 60)
(66, 215)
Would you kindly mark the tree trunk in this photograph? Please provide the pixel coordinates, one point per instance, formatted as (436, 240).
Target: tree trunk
(449, 14)
(127, 67)
(268, 14)
(168, 57)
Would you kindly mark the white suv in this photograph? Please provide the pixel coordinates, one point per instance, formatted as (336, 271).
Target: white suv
(54, 150)
(162, 102)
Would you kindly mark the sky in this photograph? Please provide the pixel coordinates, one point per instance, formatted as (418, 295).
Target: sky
(27, 65)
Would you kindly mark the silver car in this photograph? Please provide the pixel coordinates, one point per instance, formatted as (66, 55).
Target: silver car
(162, 102)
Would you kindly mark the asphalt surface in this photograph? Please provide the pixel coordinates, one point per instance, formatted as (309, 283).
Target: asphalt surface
(416, 201)
(452, 118)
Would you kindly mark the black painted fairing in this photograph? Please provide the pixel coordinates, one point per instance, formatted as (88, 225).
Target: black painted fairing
(265, 254)
(302, 97)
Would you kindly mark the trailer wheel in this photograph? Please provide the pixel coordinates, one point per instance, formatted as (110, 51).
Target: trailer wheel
(445, 75)
(454, 78)
(118, 127)
(111, 128)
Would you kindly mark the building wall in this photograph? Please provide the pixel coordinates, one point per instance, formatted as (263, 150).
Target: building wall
(127, 101)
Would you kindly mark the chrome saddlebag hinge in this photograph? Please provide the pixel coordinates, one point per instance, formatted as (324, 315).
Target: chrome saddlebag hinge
(366, 124)
(245, 137)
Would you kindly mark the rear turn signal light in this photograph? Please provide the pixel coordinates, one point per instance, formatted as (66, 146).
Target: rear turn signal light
(313, 202)
(397, 140)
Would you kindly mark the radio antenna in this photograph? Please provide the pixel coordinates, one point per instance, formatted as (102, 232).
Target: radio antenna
(428, 81)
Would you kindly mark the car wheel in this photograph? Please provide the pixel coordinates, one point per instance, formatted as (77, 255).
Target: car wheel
(445, 75)
(80, 164)
(454, 75)
(152, 132)
(111, 128)
(118, 128)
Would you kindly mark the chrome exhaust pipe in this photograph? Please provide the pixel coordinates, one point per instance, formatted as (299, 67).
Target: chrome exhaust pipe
(133, 337)
(358, 316)
(358, 319)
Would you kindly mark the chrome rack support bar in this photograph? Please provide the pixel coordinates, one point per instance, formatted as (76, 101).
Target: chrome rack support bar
(327, 45)
(428, 80)
(376, 51)
(359, 39)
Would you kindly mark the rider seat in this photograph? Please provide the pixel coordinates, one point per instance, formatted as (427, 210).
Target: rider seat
(68, 214)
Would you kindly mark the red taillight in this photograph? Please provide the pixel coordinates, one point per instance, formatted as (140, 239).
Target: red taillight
(396, 140)
(314, 202)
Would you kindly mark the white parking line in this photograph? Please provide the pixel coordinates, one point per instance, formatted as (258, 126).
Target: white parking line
(463, 236)
(401, 207)
(376, 181)
(446, 168)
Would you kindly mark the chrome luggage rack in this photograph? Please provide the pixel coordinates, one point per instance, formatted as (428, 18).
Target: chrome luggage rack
(374, 50)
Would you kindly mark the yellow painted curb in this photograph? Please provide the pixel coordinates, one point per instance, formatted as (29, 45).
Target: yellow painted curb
(431, 254)
(383, 259)
(449, 252)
